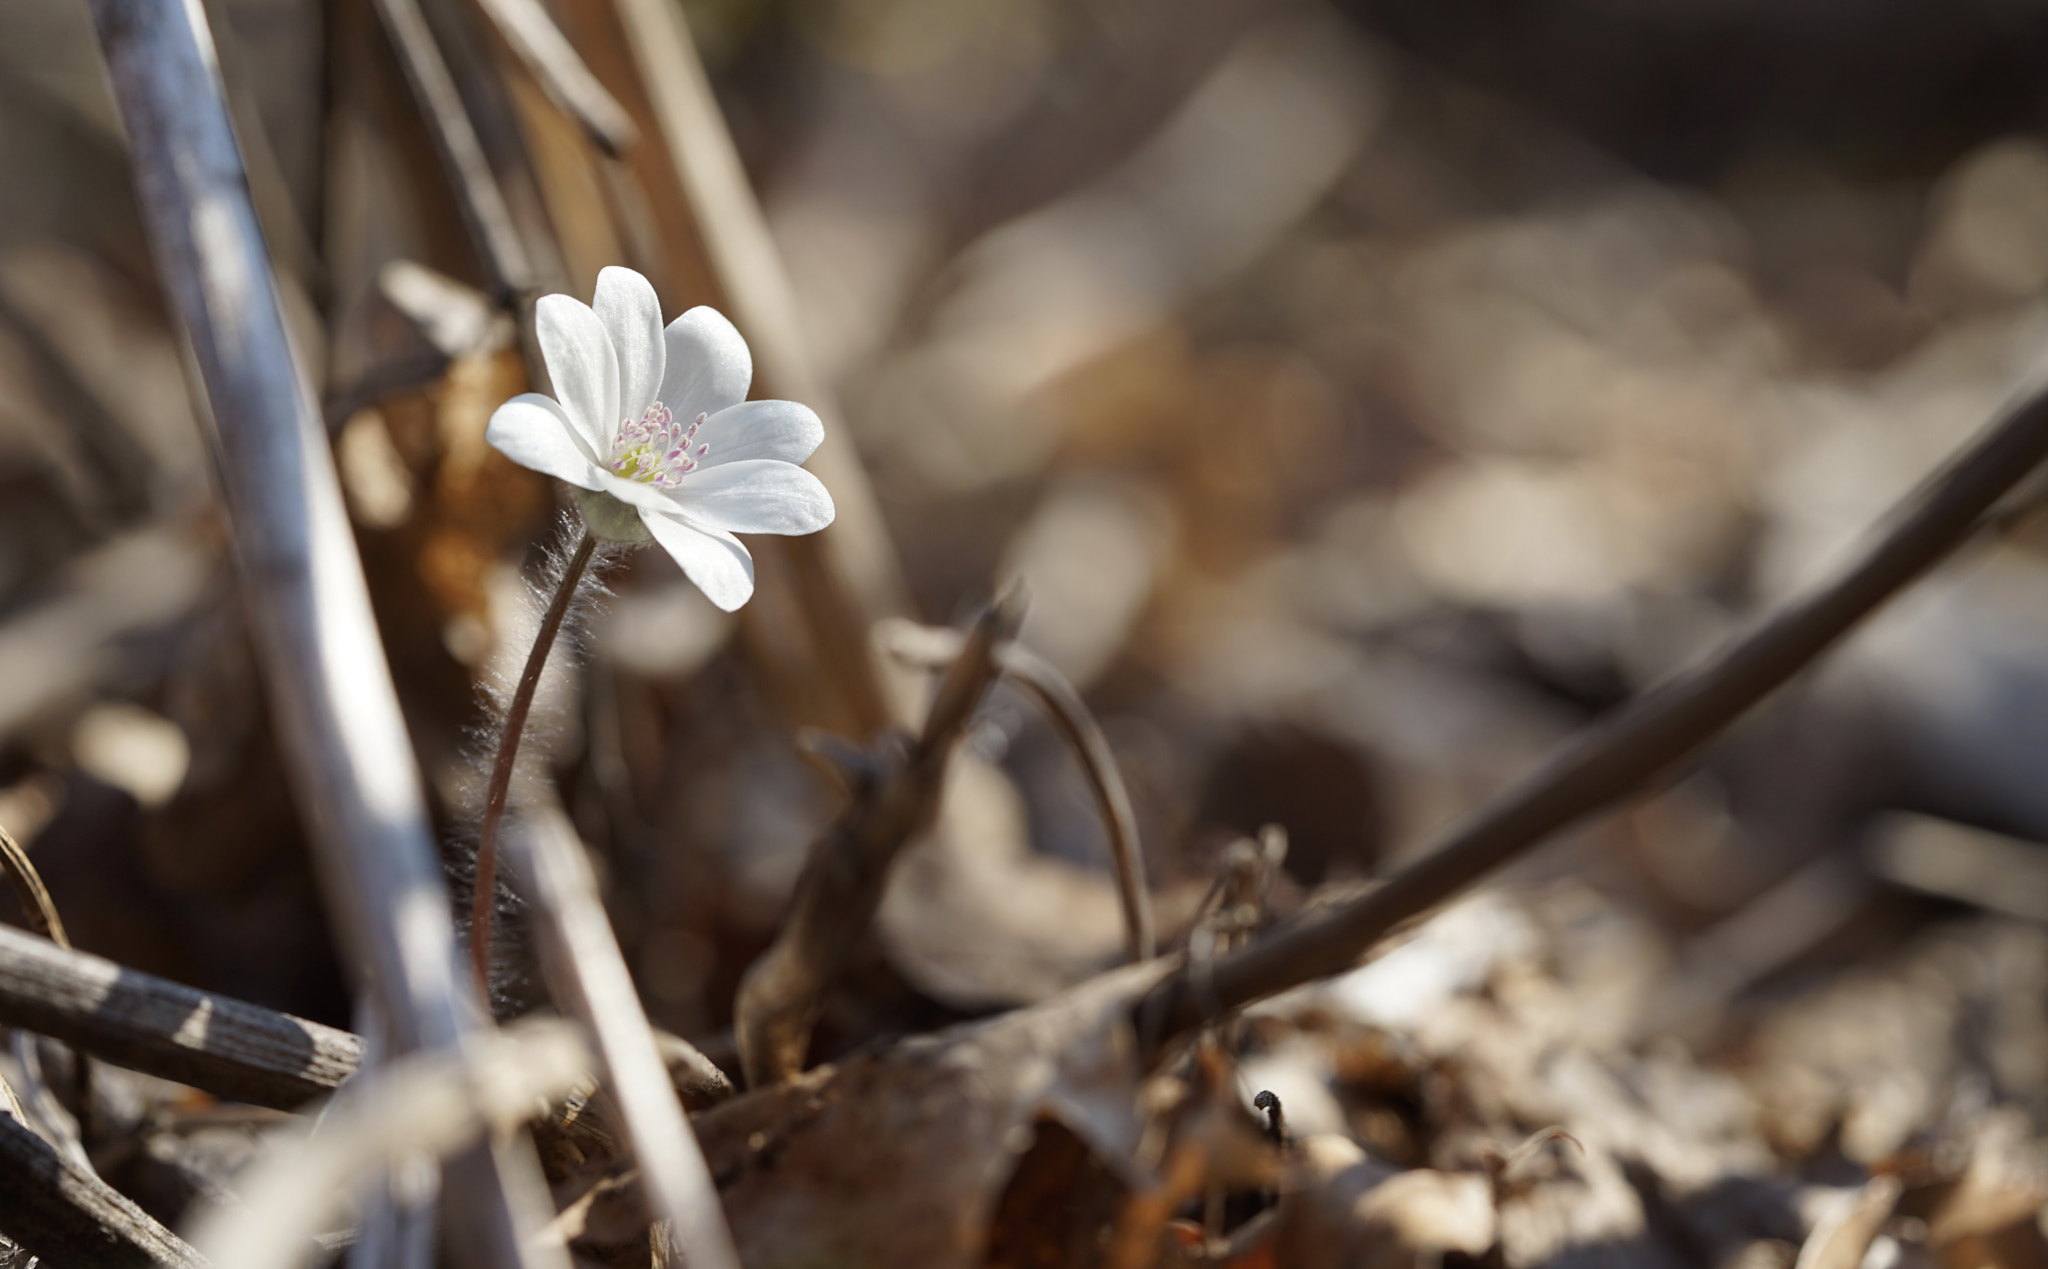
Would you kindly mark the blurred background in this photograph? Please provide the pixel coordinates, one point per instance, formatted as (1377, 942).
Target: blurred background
(1369, 394)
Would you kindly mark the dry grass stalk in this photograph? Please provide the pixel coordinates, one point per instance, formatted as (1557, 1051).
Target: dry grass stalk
(541, 46)
(591, 983)
(345, 741)
(414, 1108)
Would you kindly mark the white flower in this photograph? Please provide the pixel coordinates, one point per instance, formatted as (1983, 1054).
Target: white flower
(655, 431)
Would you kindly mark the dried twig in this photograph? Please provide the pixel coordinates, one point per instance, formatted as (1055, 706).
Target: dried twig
(483, 206)
(420, 1106)
(896, 793)
(345, 741)
(1643, 738)
(228, 1047)
(42, 916)
(935, 647)
(66, 1215)
(29, 889)
(540, 45)
(591, 983)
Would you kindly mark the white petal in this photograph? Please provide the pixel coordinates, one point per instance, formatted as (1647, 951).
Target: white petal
(755, 495)
(709, 367)
(761, 429)
(583, 366)
(716, 562)
(535, 432)
(626, 305)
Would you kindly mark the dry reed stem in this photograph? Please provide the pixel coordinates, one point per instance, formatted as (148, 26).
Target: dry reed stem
(345, 742)
(588, 977)
(532, 35)
(418, 1107)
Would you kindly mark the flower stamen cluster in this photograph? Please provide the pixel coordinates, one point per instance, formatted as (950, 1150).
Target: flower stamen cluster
(654, 451)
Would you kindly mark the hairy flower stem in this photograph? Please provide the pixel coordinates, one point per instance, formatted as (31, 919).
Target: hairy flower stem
(484, 900)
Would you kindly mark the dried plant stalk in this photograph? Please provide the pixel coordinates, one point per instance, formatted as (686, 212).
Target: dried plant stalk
(591, 983)
(1640, 740)
(420, 1106)
(345, 742)
(66, 1215)
(227, 1047)
(541, 46)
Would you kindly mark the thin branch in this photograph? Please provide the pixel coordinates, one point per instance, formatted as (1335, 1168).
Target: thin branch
(482, 203)
(66, 1215)
(422, 1105)
(591, 983)
(1639, 741)
(227, 1047)
(545, 51)
(345, 741)
(486, 896)
(896, 794)
(29, 889)
(935, 647)
(42, 916)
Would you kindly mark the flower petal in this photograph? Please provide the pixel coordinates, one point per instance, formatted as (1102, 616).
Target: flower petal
(626, 305)
(709, 367)
(755, 495)
(715, 561)
(534, 431)
(584, 368)
(761, 429)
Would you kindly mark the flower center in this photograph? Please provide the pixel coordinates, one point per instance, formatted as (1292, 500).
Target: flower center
(656, 450)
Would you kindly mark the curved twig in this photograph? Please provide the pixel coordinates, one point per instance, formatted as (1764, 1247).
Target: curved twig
(1643, 738)
(42, 1103)
(934, 647)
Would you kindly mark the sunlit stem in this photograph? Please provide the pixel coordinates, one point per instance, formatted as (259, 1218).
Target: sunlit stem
(484, 901)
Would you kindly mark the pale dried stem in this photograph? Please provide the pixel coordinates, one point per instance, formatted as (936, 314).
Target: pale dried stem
(345, 742)
(419, 1107)
(590, 982)
(485, 898)
(935, 647)
(477, 195)
(540, 45)
(1639, 741)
